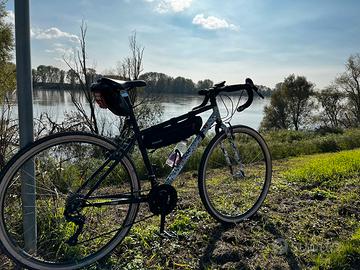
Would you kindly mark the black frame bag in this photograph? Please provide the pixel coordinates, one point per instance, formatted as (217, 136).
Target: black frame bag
(171, 131)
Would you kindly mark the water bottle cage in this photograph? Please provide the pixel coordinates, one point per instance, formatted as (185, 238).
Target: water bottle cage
(178, 157)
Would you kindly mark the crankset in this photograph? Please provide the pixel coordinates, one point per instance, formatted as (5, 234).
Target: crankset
(162, 200)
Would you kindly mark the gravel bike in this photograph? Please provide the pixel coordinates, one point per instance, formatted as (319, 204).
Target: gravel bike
(69, 199)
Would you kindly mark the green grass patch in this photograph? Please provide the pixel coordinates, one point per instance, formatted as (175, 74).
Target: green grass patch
(325, 170)
(345, 256)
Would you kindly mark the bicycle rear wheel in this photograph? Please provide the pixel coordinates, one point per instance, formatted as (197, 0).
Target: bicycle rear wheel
(235, 174)
(36, 188)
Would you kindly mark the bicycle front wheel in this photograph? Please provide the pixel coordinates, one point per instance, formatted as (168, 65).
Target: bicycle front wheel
(41, 183)
(235, 174)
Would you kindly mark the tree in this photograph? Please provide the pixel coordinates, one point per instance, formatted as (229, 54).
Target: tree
(7, 69)
(78, 65)
(162, 83)
(62, 77)
(330, 100)
(132, 66)
(7, 79)
(156, 82)
(54, 74)
(35, 76)
(91, 75)
(71, 77)
(8, 126)
(276, 113)
(6, 36)
(349, 82)
(291, 104)
(146, 107)
(298, 92)
(205, 84)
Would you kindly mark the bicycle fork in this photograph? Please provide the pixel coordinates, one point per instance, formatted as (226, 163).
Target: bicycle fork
(240, 172)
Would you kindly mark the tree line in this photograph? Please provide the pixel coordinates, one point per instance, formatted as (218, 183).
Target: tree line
(50, 77)
(296, 105)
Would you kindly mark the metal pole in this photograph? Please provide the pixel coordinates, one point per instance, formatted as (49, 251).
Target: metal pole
(24, 96)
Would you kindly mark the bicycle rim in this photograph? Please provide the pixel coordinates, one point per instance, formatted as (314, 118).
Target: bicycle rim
(235, 175)
(61, 164)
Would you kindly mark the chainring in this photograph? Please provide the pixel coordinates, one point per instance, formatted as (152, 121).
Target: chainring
(162, 199)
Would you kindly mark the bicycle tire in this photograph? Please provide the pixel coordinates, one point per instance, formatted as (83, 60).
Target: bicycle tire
(75, 153)
(231, 195)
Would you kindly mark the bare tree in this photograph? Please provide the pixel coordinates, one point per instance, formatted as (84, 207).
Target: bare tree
(147, 107)
(349, 81)
(132, 66)
(129, 69)
(78, 65)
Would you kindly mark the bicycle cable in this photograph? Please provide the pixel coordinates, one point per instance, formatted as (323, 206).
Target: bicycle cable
(225, 106)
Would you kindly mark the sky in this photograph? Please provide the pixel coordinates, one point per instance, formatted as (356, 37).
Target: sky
(221, 40)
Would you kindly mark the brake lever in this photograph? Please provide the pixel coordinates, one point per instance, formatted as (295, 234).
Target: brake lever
(256, 90)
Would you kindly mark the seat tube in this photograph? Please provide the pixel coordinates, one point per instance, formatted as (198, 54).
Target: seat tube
(143, 151)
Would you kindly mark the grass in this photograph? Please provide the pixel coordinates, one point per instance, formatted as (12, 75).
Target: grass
(287, 143)
(345, 256)
(326, 170)
(310, 220)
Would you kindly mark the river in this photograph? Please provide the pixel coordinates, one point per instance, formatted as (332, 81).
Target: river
(57, 103)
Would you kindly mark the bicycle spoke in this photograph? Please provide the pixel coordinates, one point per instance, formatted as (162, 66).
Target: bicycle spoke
(60, 167)
(235, 194)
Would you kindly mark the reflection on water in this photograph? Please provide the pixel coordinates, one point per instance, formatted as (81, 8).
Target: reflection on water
(56, 103)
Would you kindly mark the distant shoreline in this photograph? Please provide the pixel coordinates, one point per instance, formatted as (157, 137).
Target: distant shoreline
(77, 87)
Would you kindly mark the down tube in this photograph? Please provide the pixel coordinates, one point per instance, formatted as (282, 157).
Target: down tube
(176, 170)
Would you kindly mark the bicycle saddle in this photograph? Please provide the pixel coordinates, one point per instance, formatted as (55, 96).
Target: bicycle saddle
(122, 85)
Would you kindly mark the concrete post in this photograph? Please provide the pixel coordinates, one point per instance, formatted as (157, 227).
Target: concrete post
(24, 96)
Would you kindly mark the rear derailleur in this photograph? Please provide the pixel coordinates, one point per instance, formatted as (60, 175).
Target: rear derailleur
(73, 206)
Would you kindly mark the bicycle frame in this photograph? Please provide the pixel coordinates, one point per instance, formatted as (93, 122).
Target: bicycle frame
(214, 117)
(121, 151)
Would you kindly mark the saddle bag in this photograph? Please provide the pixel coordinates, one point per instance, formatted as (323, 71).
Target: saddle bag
(108, 96)
(171, 131)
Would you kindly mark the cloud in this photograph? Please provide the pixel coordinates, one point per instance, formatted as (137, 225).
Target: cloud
(59, 51)
(164, 6)
(212, 22)
(53, 33)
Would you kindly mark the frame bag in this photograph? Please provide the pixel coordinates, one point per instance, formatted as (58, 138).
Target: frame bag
(170, 132)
